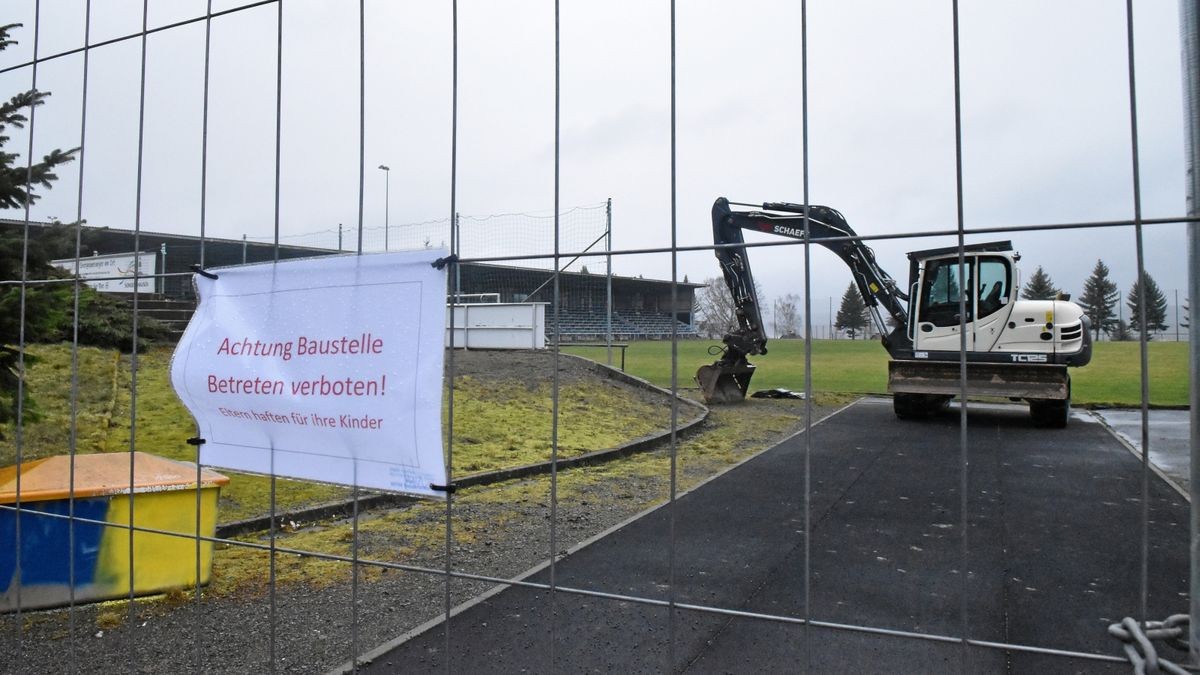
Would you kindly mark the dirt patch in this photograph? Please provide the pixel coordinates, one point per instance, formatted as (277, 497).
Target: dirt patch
(531, 366)
(535, 369)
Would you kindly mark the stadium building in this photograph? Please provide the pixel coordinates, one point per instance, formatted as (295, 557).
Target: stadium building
(642, 308)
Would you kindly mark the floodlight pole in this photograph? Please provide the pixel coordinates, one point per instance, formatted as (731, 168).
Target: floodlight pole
(1189, 28)
(387, 193)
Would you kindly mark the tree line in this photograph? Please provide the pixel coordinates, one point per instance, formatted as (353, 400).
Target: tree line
(1100, 300)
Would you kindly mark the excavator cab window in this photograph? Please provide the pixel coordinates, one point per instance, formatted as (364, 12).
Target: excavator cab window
(994, 283)
(942, 281)
(940, 289)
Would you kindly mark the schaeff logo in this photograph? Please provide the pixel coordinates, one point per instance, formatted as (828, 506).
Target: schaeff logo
(789, 231)
(1029, 358)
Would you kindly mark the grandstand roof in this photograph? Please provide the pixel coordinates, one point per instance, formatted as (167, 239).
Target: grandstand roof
(183, 251)
(585, 275)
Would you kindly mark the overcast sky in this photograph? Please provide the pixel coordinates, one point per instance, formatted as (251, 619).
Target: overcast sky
(1045, 101)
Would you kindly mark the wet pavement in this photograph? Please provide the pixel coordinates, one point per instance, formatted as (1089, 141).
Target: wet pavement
(1169, 437)
(1052, 550)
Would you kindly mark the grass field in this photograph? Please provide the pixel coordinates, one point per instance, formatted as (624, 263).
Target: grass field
(860, 367)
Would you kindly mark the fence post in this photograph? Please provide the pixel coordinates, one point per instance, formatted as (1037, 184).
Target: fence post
(1189, 27)
(243, 249)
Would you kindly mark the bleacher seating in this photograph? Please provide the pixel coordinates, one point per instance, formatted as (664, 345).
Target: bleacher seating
(580, 325)
(654, 325)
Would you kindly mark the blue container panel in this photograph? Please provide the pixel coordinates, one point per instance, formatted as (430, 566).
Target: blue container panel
(45, 542)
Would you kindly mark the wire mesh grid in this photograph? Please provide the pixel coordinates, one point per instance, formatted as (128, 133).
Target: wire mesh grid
(480, 236)
(448, 575)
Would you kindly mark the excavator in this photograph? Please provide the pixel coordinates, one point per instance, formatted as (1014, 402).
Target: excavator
(1016, 349)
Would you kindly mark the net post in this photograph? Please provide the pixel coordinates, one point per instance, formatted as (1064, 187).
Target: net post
(608, 302)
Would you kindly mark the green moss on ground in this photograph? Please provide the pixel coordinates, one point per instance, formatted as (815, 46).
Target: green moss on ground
(501, 423)
(49, 378)
(498, 423)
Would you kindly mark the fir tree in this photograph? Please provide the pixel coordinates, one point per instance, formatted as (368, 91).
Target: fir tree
(1156, 307)
(17, 179)
(1120, 331)
(1039, 286)
(1099, 299)
(44, 310)
(852, 313)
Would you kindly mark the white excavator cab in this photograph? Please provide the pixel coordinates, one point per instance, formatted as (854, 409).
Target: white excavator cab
(988, 280)
(999, 326)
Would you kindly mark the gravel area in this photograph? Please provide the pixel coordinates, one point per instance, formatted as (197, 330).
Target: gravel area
(314, 626)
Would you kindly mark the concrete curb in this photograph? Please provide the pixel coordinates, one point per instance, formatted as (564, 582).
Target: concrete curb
(375, 500)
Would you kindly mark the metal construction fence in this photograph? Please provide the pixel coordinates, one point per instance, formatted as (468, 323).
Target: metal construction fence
(297, 576)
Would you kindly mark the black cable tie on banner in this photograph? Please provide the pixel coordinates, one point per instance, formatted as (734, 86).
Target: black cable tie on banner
(196, 441)
(448, 489)
(200, 270)
(441, 262)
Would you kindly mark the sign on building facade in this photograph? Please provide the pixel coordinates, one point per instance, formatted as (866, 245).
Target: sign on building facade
(114, 272)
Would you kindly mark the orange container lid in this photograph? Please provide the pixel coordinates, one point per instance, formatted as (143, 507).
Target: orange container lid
(100, 474)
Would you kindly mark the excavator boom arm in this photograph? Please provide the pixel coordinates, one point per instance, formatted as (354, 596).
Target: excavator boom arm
(729, 378)
(826, 227)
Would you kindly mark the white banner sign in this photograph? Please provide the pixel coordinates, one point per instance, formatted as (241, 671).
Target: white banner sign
(113, 273)
(327, 369)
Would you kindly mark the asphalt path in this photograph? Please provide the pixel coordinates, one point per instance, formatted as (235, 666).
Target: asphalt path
(1053, 553)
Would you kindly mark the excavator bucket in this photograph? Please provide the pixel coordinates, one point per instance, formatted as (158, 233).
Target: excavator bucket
(724, 383)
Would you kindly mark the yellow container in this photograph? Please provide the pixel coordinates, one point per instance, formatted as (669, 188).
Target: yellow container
(97, 539)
